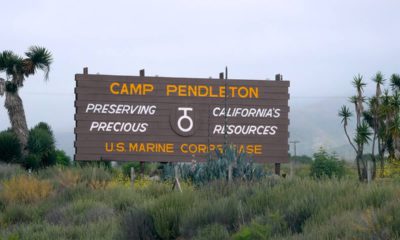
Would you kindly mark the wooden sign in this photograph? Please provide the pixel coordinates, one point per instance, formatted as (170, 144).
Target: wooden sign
(168, 119)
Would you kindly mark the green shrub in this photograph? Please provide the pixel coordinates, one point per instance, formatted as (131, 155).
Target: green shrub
(138, 224)
(10, 148)
(41, 146)
(16, 213)
(62, 158)
(105, 229)
(212, 232)
(326, 165)
(78, 212)
(253, 232)
(390, 218)
(340, 225)
(126, 168)
(224, 211)
(166, 212)
(95, 177)
(376, 196)
(41, 139)
(32, 161)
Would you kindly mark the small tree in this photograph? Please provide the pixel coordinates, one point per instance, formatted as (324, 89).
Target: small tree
(326, 165)
(62, 158)
(41, 146)
(362, 134)
(17, 69)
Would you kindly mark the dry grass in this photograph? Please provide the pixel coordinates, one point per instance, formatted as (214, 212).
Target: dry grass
(25, 189)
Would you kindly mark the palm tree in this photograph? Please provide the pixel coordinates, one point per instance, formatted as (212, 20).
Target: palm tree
(379, 79)
(345, 114)
(362, 129)
(395, 82)
(17, 69)
(375, 123)
(359, 85)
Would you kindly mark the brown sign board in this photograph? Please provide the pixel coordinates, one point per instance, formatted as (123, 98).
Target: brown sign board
(167, 119)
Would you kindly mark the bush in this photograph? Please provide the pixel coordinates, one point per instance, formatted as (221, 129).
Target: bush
(253, 232)
(126, 168)
(32, 161)
(167, 211)
(25, 189)
(62, 158)
(326, 165)
(10, 148)
(95, 177)
(81, 211)
(299, 212)
(213, 231)
(41, 140)
(67, 178)
(138, 224)
(224, 211)
(16, 213)
(41, 146)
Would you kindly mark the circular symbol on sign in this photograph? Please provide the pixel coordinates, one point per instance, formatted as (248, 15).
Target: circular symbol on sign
(183, 120)
(185, 117)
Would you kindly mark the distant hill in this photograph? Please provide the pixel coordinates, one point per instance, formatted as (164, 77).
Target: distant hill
(317, 125)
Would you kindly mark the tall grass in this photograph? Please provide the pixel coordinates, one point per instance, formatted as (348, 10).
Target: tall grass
(88, 203)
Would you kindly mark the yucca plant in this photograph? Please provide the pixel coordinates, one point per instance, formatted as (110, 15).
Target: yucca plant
(216, 168)
(381, 115)
(17, 69)
(362, 135)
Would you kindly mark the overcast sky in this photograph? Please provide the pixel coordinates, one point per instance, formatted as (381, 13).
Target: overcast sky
(318, 45)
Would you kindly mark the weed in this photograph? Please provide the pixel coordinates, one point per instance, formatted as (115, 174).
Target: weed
(26, 189)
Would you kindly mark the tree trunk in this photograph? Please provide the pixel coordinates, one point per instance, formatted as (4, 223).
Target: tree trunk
(361, 167)
(358, 167)
(373, 168)
(16, 114)
(382, 160)
(373, 154)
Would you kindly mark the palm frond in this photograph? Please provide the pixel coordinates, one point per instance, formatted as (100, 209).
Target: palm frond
(363, 134)
(379, 78)
(38, 58)
(345, 114)
(395, 127)
(10, 63)
(358, 83)
(368, 118)
(353, 99)
(395, 82)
